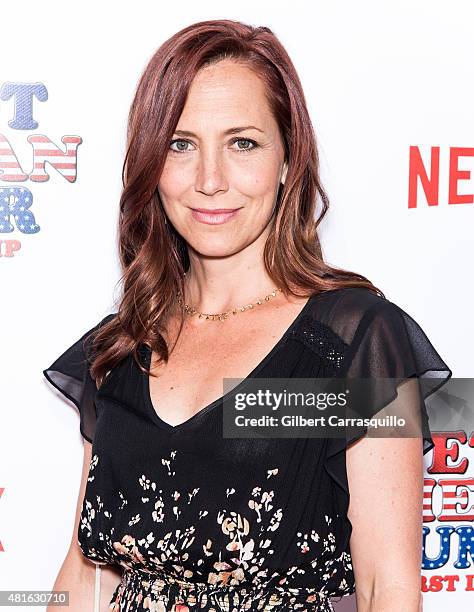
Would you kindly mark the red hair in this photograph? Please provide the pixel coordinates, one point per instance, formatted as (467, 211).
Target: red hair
(153, 255)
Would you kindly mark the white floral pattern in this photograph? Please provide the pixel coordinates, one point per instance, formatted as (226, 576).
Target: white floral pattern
(164, 570)
(199, 522)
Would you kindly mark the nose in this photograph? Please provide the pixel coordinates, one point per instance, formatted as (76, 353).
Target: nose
(211, 175)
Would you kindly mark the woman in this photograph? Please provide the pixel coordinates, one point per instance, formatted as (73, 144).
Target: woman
(223, 277)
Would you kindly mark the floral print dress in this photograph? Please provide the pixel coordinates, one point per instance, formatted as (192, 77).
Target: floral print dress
(202, 522)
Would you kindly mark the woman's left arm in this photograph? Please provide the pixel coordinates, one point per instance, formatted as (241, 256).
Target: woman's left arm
(385, 477)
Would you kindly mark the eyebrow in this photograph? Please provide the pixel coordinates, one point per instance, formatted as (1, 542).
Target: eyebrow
(234, 130)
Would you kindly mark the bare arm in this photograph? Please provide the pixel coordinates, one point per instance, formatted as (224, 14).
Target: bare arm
(77, 573)
(385, 477)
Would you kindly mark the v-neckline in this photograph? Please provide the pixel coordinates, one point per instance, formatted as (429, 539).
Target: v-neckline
(197, 415)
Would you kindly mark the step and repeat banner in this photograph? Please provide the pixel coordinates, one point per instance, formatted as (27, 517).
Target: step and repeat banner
(390, 89)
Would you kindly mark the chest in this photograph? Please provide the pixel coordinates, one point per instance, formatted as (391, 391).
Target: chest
(194, 375)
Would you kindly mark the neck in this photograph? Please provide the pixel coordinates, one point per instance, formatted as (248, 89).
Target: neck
(216, 285)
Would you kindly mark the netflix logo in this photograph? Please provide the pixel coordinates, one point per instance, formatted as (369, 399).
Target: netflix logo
(429, 178)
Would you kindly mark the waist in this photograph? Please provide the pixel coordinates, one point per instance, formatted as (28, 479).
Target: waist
(159, 588)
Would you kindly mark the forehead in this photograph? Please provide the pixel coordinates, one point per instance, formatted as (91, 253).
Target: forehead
(224, 95)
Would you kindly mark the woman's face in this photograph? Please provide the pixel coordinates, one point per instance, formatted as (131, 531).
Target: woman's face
(226, 153)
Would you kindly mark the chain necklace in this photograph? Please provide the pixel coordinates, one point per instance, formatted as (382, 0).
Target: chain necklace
(222, 316)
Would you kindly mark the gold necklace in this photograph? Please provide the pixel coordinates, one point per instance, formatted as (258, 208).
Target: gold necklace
(221, 316)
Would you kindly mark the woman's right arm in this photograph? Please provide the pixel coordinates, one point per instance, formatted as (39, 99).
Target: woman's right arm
(77, 573)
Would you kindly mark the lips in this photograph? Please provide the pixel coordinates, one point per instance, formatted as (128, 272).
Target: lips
(214, 216)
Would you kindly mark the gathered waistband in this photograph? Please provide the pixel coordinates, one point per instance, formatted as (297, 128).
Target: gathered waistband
(142, 590)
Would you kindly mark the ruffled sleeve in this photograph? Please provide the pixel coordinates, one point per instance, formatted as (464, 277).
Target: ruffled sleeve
(388, 345)
(70, 374)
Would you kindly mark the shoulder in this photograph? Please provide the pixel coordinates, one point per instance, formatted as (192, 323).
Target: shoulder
(345, 309)
(99, 324)
(103, 322)
(81, 347)
(331, 319)
(359, 299)
(383, 339)
(89, 332)
(357, 314)
(107, 318)
(89, 335)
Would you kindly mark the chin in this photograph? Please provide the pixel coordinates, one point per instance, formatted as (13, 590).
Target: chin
(214, 248)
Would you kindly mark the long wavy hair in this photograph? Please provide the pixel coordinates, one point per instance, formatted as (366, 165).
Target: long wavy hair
(153, 255)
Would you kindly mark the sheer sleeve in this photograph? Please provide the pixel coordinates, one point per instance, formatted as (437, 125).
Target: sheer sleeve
(388, 345)
(70, 374)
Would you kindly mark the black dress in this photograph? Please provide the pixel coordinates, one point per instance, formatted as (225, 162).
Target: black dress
(201, 522)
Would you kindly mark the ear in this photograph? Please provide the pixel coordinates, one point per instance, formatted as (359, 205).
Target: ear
(283, 173)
